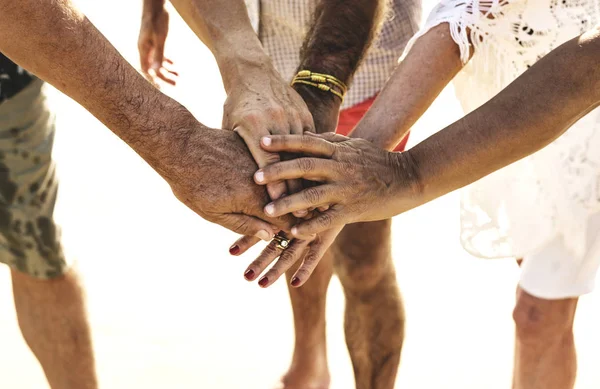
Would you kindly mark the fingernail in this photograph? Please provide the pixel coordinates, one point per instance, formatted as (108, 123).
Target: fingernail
(270, 209)
(304, 212)
(234, 250)
(266, 141)
(259, 176)
(295, 281)
(264, 235)
(249, 274)
(294, 230)
(263, 282)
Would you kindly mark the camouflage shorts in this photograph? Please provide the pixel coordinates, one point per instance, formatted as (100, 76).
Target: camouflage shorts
(29, 239)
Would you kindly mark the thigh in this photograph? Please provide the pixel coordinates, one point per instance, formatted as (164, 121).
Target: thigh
(29, 238)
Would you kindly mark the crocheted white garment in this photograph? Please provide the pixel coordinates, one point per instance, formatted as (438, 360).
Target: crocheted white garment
(520, 208)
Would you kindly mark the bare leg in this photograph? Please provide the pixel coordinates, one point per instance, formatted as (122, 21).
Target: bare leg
(374, 322)
(545, 356)
(53, 321)
(309, 368)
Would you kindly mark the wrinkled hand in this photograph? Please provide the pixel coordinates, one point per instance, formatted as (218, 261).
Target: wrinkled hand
(151, 45)
(324, 109)
(309, 251)
(261, 103)
(360, 181)
(211, 172)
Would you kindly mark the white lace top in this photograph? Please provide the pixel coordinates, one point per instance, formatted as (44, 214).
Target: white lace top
(520, 208)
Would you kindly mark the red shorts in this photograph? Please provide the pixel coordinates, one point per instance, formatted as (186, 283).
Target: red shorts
(351, 116)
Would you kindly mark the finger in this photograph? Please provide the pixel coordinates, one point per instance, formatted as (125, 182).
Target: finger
(313, 169)
(315, 252)
(262, 158)
(163, 75)
(242, 245)
(329, 136)
(167, 66)
(309, 197)
(323, 208)
(286, 260)
(247, 225)
(303, 144)
(266, 257)
(295, 185)
(167, 60)
(320, 223)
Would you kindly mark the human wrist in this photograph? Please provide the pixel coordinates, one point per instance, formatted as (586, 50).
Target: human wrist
(323, 106)
(242, 61)
(157, 130)
(407, 189)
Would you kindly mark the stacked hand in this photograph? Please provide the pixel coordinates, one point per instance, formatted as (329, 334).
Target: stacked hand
(271, 118)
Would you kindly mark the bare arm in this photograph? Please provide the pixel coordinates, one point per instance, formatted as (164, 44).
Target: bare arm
(430, 65)
(374, 184)
(527, 115)
(58, 43)
(340, 34)
(225, 28)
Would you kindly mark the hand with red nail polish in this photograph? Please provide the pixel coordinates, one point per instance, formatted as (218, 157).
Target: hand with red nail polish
(308, 251)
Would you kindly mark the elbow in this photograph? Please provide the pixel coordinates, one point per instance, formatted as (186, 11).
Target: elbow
(590, 44)
(590, 41)
(588, 58)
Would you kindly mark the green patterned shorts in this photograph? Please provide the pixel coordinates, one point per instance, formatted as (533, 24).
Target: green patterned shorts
(29, 239)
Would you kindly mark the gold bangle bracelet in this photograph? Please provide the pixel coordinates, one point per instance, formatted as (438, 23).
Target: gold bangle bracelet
(322, 87)
(321, 81)
(321, 78)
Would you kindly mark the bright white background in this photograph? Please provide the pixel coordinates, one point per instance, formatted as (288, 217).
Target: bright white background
(169, 307)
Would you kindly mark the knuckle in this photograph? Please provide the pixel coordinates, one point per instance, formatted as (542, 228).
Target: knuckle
(306, 165)
(267, 253)
(284, 203)
(312, 195)
(325, 220)
(306, 142)
(276, 112)
(271, 158)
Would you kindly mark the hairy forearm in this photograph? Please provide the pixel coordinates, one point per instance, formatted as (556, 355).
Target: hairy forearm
(430, 65)
(225, 28)
(339, 36)
(60, 45)
(526, 116)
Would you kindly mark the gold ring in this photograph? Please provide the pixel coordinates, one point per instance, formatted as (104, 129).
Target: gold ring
(282, 242)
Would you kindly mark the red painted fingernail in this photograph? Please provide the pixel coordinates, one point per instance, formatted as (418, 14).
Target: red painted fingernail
(234, 250)
(295, 281)
(263, 282)
(249, 274)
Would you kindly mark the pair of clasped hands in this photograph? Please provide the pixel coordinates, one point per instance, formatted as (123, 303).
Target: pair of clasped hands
(316, 183)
